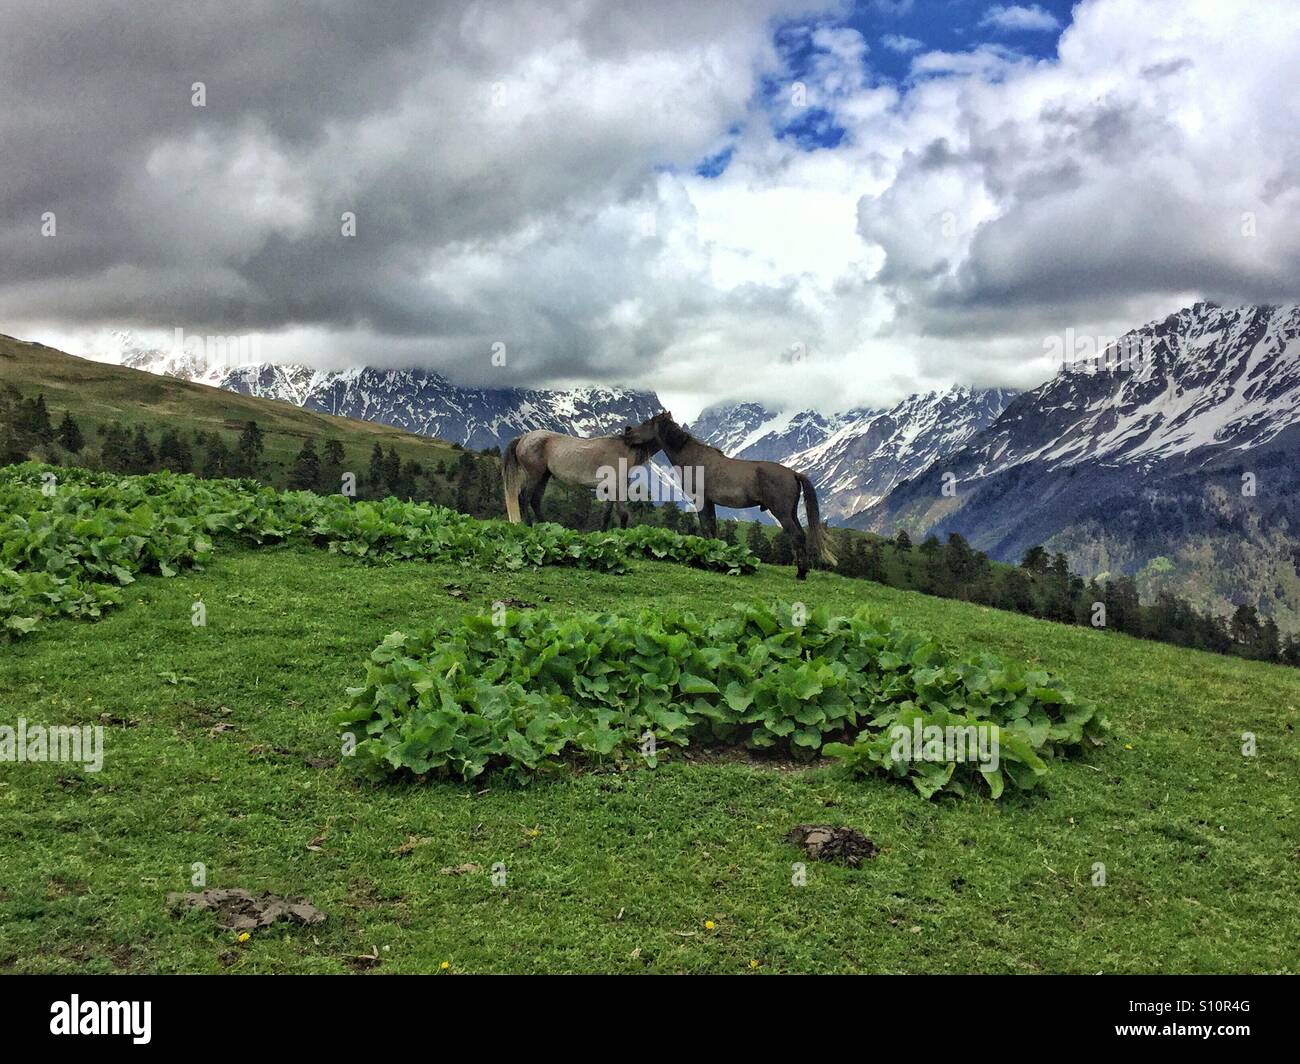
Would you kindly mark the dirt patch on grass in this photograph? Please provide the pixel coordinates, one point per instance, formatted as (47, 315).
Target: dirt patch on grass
(742, 755)
(263, 752)
(826, 842)
(240, 910)
(202, 715)
(59, 887)
(363, 894)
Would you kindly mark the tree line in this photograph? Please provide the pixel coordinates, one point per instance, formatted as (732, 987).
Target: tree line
(468, 482)
(1042, 585)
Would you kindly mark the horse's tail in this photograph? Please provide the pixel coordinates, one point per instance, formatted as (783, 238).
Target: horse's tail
(819, 542)
(512, 479)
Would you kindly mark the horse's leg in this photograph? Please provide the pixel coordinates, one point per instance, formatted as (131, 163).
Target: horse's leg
(709, 519)
(525, 493)
(604, 519)
(798, 540)
(623, 516)
(536, 498)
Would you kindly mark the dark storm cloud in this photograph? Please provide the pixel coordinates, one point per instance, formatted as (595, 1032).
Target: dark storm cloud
(457, 132)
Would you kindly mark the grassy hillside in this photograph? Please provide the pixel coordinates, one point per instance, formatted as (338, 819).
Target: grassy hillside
(99, 394)
(220, 751)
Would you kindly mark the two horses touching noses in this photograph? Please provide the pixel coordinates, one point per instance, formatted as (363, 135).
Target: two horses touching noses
(714, 479)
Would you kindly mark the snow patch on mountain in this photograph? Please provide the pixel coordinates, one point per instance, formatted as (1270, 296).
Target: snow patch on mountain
(856, 457)
(1201, 382)
(416, 400)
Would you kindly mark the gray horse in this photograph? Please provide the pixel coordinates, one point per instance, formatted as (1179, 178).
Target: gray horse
(602, 462)
(715, 479)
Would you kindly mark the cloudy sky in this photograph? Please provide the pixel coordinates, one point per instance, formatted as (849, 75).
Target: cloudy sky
(804, 203)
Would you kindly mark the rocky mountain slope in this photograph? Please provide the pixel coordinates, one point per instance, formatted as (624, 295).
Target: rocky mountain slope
(415, 400)
(1177, 443)
(856, 458)
(426, 402)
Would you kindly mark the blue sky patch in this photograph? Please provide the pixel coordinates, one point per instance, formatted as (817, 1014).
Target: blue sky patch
(895, 31)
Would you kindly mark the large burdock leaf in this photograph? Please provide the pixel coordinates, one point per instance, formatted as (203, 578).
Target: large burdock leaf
(738, 697)
(696, 685)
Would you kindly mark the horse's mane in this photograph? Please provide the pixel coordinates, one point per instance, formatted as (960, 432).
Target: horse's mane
(690, 437)
(642, 452)
(681, 437)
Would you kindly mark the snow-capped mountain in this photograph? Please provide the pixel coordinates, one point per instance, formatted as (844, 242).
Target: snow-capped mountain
(427, 403)
(857, 457)
(1204, 381)
(1200, 385)
(418, 400)
(750, 430)
(868, 455)
(188, 362)
(1179, 442)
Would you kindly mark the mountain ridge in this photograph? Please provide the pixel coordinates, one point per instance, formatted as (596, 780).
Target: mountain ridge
(1173, 447)
(856, 457)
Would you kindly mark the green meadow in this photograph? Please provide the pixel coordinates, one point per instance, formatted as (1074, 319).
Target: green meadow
(220, 755)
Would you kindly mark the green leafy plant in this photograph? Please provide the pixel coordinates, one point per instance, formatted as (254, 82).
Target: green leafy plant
(526, 691)
(67, 551)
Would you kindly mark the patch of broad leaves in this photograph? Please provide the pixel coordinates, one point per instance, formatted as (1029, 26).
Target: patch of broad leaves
(68, 552)
(526, 692)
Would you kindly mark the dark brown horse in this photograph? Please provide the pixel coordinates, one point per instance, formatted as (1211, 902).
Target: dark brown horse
(713, 479)
(601, 462)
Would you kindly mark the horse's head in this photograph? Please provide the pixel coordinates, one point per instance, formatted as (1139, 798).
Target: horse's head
(648, 431)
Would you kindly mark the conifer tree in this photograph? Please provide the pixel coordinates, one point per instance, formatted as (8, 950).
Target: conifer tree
(375, 474)
(1035, 560)
(248, 452)
(216, 459)
(331, 467)
(755, 539)
(874, 563)
(782, 549)
(116, 451)
(174, 453)
(70, 438)
(392, 469)
(38, 420)
(141, 454)
(304, 475)
(466, 494)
